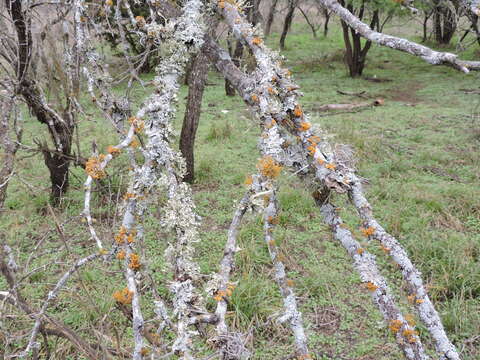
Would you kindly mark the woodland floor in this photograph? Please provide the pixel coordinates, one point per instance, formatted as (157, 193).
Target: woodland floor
(419, 151)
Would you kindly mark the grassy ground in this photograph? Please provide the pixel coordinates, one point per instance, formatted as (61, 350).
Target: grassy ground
(420, 153)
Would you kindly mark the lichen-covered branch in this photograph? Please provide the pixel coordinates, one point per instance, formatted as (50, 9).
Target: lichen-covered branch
(157, 114)
(417, 291)
(291, 313)
(365, 264)
(430, 56)
(222, 287)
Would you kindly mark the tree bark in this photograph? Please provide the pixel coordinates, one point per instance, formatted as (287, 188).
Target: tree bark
(445, 23)
(326, 13)
(236, 57)
(355, 55)
(9, 149)
(270, 17)
(288, 22)
(196, 82)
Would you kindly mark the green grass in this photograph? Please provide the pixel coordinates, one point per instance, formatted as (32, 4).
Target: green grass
(419, 153)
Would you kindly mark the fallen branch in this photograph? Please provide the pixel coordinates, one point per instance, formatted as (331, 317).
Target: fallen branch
(334, 107)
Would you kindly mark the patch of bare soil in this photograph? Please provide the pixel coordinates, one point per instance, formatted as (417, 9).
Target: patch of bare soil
(407, 93)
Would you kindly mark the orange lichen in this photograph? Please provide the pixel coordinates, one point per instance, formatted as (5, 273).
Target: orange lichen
(140, 20)
(290, 282)
(144, 351)
(269, 167)
(130, 238)
(321, 161)
(411, 298)
(230, 288)
(314, 139)
(304, 126)
(254, 98)
(297, 111)
(220, 295)
(410, 319)
(395, 325)
(419, 301)
(368, 231)
(271, 242)
(113, 150)
(93, 167)
(271, 124)
(371, 286)
(274, 220)
(385, 249)
(124, 296)
(256, 41)
(360, 251)
(312, 149)
(271, 91)
(128, 195)
(134, 143)
(304, 357)
(120, 237)
(121, 255)
(137, 123)
(331, 166)
(134, 262)
(410, 335)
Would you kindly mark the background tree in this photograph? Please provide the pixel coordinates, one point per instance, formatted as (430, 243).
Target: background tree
(33, 62)
(365, 10)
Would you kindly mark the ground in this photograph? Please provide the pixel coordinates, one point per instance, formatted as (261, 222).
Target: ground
(419, 154)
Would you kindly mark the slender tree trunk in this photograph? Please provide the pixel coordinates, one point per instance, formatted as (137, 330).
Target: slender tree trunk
(355, 55)
(310, 24)
(9, 149)
(445, 23)
(236, 58)
(196, 82)
(288, 22)
(326, 14)
(270, 17)
(255, 16)
(426, 16)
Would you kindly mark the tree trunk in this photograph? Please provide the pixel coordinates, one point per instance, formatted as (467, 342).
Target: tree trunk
(236, 58)
(270, 17)
(355, 55)
(255, 16)
(445, 23)
(9, 149)
(288, 22)
(196, 81)
(326, 13)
